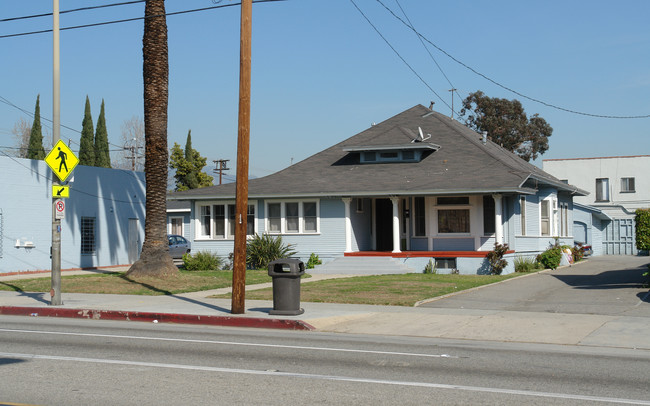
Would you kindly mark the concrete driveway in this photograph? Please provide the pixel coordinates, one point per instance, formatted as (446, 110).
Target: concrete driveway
(605, 285)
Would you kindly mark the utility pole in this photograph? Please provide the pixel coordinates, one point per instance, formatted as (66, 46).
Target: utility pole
(243, 143)
(221, 165)
(452, 102)
(55, 291)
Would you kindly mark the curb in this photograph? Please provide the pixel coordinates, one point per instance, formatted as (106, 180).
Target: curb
(224, 321)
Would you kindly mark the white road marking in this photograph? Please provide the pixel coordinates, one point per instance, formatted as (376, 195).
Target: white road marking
(182, 340)
(335, 378)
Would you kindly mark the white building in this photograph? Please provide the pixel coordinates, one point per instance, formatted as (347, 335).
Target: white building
(617, 186)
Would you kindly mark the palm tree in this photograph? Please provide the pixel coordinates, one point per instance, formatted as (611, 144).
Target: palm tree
(154, 259)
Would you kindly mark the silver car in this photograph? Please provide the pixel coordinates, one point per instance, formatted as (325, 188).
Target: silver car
(178, 245)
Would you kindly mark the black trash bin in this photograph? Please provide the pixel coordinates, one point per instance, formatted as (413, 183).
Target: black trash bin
(286, 274)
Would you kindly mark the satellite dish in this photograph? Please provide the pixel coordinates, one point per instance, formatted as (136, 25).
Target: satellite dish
(422, 138)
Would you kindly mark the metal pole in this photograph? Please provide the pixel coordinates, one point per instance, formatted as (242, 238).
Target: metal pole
(243, 141)
(55, 292)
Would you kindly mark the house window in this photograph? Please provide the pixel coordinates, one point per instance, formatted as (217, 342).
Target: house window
(489, 215)
(602, 190)
(564, 219)
(522, 215)
(453, 221)
(445, 263)
(218, 221)
(292, 217)
(274, 217)
(176, 225)
(87, 235)
(627, 185)
(449, 201)
(309, 217)
(419, 217)
(205, 221)
(546, 217)
(369, 156)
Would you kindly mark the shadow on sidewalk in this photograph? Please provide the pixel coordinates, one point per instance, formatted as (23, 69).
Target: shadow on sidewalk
(38, 296)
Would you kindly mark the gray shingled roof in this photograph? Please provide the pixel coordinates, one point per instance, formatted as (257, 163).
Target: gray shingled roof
(461, 165)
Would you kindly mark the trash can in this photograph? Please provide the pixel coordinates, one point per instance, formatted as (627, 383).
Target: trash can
(286, 274)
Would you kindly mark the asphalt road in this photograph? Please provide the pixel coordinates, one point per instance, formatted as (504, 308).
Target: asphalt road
(81, 362)
(605, 285)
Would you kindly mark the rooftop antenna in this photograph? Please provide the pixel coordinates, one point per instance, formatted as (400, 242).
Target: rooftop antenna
(431, 105)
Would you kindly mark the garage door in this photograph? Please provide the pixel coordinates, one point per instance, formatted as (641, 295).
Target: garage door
(580, 232)
(618, 238)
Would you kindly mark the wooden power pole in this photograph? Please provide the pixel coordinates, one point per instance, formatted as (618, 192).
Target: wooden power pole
(221, 166)
(243, 142)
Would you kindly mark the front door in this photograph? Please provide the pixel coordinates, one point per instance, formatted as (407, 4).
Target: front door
(384, 224)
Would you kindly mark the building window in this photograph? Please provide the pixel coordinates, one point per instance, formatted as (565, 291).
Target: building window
(489, 215)
(87, 235)
(419, 217)
(292, 217)
(564, 219)
(218, 221)
(176, 225)
(602, 190)
(522, 214)
(627, 185)
(546, 217)
(445, 263)
(453, 221)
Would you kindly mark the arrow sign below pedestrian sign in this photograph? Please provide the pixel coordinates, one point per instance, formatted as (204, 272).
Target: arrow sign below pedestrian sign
(60, 191)
(61, 160)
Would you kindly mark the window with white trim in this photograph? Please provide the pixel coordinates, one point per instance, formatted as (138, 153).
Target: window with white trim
(545, 215)
(175, 225)
(217, 221)
(453, 215)
(602, 190)
(292, 217)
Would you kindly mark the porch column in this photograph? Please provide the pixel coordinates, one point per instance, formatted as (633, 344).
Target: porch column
(348, 225)
(396, 247)
(498, 218)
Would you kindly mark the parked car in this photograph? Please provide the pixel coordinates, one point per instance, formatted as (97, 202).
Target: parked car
(178, 245)
(586, 249)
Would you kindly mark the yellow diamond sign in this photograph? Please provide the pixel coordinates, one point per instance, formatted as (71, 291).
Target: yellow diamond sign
(61, 160)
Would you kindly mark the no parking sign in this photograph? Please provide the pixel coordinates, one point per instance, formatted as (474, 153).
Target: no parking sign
(59, 209)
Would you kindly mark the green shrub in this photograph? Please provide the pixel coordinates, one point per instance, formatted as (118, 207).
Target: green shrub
(495, 258)
(202, 261)
(526, 264)
(430, 268)
(578, 253)
(313, 261)
(551, 257)
(642, 220)
(263, 249)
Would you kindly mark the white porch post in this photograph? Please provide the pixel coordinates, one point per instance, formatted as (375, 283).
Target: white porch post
(498, 218)
(348, 225)
(396, 245)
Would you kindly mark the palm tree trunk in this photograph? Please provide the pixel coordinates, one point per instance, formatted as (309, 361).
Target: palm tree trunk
(154, 259)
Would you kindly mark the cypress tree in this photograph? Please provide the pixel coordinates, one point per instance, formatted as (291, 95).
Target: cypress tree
(191, 179)
(35, 149)
(87, 144)
(102, 156)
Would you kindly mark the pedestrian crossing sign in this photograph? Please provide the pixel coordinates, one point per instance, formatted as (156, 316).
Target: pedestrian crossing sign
(61, 160)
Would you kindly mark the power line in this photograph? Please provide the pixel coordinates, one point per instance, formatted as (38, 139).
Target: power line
(503, 86)
(70, 11)
(398, 54)
(131, 19)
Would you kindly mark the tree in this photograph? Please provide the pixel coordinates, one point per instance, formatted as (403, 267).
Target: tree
(155, 259)
(22, 131)
(87, 144)
(35, 149)
(507, 124)
(130, 157)
(189, 166)
(102, 155)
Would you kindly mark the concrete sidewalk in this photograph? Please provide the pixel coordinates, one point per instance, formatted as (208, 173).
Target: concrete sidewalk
(467, 324)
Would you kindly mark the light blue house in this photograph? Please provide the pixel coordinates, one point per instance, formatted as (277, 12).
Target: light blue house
(414, 188)
(103, 223)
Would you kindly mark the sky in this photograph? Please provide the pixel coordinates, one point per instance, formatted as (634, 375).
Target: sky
(323, 71)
